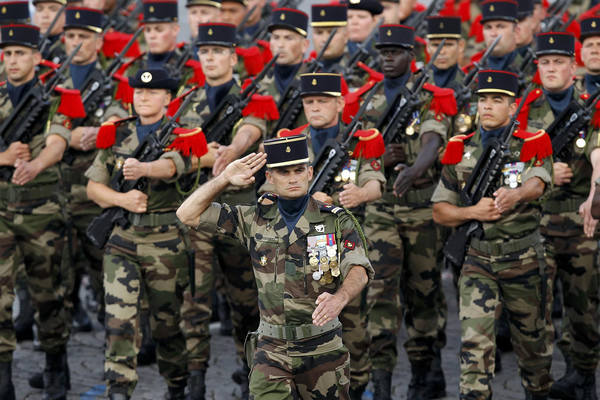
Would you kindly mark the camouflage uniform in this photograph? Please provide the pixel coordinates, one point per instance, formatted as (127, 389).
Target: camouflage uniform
(355, 79)
(32, 231)
(570, 254)
(505, 269)
(148, 256)
(405, 244)
(291, 351)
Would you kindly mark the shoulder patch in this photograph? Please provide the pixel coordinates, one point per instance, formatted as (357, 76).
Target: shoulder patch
(332, 209)
(376, 165)
(267, 198)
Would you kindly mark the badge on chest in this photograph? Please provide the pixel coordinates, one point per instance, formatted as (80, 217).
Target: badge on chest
(348, 172)
(512, 174)
(323, 257)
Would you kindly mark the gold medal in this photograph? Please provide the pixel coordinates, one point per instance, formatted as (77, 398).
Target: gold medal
(345, 175)
(580, 143)
(410, 130)
(314, 261)
(329, 279)
(335, 271)
(325, 267)
(333, 264)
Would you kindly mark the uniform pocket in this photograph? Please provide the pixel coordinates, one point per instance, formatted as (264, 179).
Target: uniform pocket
(342, 375)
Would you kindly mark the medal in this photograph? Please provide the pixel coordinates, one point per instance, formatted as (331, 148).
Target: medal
(324, 267)
(263, 261)
(313, 261)
(512, 181)
(335, 272)
(317, 275)
(331, 251)
(580, 143)
(345, 175)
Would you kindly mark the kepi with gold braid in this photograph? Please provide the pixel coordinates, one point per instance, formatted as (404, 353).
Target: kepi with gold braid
(396, 35)
(443, 27)
(20, 35)
(286, 151)
(329, 15)
(290, 19)
(589, 27)
(492, 81)
(209, 3)
(160, 11)
(14, 12)
(84, 18)
(321, 84)
(216, 34)
(506, 10)
(561, 43)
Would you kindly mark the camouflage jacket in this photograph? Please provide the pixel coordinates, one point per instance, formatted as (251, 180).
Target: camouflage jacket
(162, 194)
(354, 78)
(522, 220)
(421, 122)
(37, 142)
(281, 260)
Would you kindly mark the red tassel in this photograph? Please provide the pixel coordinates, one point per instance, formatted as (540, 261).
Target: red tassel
(311, 56)
(545, 4)
(592, 12)
(70, 103)
(265, 51)
(263, 107)
(124, 91)
(177, 101)
(524, 114)
(574, 27)
(536, 145)
(370, 144)
(198, 78)
(464, 10)
(413, 66)
(114, 42)
(252, 59)
(443, 101)
(477, 30)
(344, 86)
(189, 142)
(454, 150)
(373, 75)
(449, 9)
(352, 100)
(536, 78)
(107, 134)
(291, 132)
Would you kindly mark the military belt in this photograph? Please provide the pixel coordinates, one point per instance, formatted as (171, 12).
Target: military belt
(495, 248)
(562, 206)
(155, 219)
(412, 198)
(14, 194)
(298, 332)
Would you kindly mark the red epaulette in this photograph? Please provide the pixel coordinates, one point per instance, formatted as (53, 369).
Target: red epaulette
(443, 101)
(524, 114)
(370, 144)
(291, 132)
(189, 142)
(253, 61)
(115, 41)
(536, 144)
(453, 153)
(262, 106)
(352, 100)
(71, 104)
(107, 134)
(176, 102)
(476, 30)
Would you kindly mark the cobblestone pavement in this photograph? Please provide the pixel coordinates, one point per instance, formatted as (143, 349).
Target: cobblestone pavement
(86, 363)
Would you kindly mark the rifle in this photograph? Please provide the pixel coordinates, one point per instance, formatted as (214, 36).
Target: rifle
(288, 4)
(407, 105)
(292, 111)
(122, 23)
(150, 149)
(112, 18)
(553, 21)
(334, 154)
(17, 127)
(242, 25)
(482, 183)
(418, 19)
(44, 40)
(567, 125)
(362, 54)
(464, 92)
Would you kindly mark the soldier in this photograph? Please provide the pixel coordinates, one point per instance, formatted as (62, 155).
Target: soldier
(567, 224)
(506, 268)
(33, 229)
(400, 225)
(528, 27)
(202, 12)
(590, 53)
(390, 11)
(233, 11)
(292, 239)
(363, 16)
(254, 27)
(150, 253)
(45, 12)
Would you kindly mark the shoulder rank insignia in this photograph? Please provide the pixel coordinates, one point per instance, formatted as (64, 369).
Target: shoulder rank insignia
(107, 134)
(329, 208)
(454, 149)
(536, 145)
(370, 144)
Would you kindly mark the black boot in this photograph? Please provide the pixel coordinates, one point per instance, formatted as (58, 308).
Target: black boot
(435, 377)
(147, 354)
(24, 321)
(578, 385)
(498, 361)
(503, 333)
(417, 388)
(532, 396)
(176, 393)
(357, 392)
(7, 390)
(382, 384)
(36, 380)
(224, 313)
(55, 377)
(196, 385)
(240, 376)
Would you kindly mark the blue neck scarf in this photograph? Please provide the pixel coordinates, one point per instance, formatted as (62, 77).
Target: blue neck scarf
(284, 74)
(291, 210)
(487, 136)
(443, 77)
(392, 86)
(559, 101)
(592, 83)
(15, 93)
(144, 130)
(215, 94)
(158, 60)
(503, 62)
(318, 137)
(329, 64)
(79, 73)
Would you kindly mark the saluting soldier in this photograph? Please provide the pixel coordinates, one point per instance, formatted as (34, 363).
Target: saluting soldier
(590, 54)
(148, 256)
(505, 268)
(292, 239)
(400, 225)
(31, 223)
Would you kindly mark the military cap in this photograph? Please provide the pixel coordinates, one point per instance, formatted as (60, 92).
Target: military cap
(160, 11)
(210, 3)
(443, 27)
(491, 81)
(396, 35)
(492, 10)
(20, 35)
(153, 78)
(562, 43)
(372, 6)
(320, 83)
(289, 18)
(13, 11)
(218, 34)
(63, 2)
(285, 151)
(589, 27)
(524, 8)
(84, 18)
(329, 15)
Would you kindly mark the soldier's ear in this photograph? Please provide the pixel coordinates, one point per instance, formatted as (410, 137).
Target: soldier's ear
(269, 176)
(37, 57)
(305, 45)
(310, 172)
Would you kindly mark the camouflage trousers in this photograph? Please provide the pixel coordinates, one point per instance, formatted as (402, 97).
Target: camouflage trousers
(32, 233)
(313, 368)
(575, 259)
(404, 251)
(487, 284)
(357, 340)
(150, 260)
